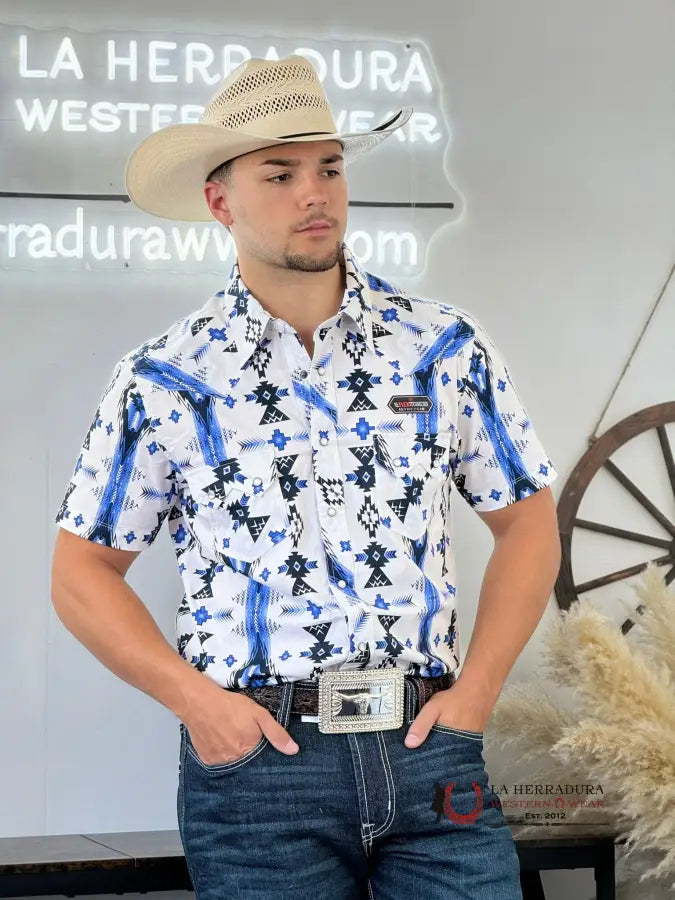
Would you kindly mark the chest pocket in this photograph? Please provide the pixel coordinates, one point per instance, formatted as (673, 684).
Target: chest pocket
(409, 471)
(238, 509)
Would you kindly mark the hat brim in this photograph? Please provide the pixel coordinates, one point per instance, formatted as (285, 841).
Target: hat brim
(166, 171)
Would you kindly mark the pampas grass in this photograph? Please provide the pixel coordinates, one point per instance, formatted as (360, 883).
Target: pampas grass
(657, 626)
(619, 728)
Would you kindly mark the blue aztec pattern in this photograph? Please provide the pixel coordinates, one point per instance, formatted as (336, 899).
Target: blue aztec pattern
(307, 500)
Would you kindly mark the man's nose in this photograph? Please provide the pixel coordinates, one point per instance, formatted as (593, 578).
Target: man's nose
(313, 190)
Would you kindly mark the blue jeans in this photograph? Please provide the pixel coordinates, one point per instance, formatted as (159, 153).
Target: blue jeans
(355, 816)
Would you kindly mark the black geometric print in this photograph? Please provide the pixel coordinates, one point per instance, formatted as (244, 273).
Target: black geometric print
(392, 646)
(182, 642)
(225, 476)
(360, 382)
(412, 493)
(376, 559)
(403, 302)
(321, 649)
(199, 323)
(354, 347)
(379, 331)
(295, 524)
(331, 490)
(63, 509)
(364, 475)
(290, 484)
(369, 517)
(338, 552)
(207, 576)
(241, 516)
(269, 396)
(296, 567)
(260, 358)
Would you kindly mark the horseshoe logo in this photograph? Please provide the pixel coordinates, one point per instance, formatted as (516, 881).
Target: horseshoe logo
(463, 818)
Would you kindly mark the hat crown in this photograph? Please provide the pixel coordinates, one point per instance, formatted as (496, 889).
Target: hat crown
(261, 96)
(262, 103)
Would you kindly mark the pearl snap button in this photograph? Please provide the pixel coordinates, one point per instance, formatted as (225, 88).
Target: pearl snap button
(323, 441)
(331, 511)
(342, 583)
(363, 646)
(321, 370)
(398, 461)
(257, 481)
(303, 373)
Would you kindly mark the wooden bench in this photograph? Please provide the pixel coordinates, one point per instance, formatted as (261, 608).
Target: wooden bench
(565, 847)
(137, 861)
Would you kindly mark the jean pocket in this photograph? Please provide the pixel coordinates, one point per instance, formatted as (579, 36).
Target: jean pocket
(459, 732)
(237, 508)
(230, 765)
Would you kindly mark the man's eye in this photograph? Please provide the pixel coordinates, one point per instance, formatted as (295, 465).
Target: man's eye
(285, 175)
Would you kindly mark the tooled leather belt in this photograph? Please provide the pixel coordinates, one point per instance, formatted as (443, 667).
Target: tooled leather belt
(305, 698)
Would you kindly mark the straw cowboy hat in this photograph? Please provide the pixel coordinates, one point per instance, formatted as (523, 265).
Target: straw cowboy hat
(262, 103)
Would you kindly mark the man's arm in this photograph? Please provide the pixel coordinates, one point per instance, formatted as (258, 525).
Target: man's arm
(518, 581)
(94, 602)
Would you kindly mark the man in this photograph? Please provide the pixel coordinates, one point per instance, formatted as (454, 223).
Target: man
(302, 432)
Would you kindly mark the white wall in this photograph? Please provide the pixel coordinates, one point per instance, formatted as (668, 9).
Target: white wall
(563, 140)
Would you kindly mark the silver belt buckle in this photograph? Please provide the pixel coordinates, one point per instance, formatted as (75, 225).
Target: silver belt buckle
(364, 700)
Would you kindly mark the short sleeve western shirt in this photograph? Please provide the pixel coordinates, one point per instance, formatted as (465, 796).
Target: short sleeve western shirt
(308, 500)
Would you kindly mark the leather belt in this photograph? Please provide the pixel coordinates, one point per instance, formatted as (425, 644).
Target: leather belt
(306, 695)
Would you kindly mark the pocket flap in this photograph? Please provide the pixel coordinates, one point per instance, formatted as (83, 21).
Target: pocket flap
(410, 468)
(236, 508)
(250, 474)
(399, 454)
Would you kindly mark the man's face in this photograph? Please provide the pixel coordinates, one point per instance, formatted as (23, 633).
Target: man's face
(275, 193)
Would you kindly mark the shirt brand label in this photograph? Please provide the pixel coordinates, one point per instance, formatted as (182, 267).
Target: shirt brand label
(410, 403)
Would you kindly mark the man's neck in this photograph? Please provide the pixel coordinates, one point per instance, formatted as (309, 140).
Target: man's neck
(303, 299)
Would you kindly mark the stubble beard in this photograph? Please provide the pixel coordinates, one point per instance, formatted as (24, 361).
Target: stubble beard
(305, 262)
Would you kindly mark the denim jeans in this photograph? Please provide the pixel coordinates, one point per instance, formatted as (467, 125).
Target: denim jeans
(356, 816)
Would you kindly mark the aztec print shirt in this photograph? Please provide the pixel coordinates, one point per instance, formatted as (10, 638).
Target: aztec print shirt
(308, 500)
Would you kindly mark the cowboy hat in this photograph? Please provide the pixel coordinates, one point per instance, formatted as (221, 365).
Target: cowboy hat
(262, 103)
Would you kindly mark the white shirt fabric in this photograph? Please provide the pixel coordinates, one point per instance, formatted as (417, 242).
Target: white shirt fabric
(308, 500)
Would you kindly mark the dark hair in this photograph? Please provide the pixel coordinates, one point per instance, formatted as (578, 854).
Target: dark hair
(223, 172)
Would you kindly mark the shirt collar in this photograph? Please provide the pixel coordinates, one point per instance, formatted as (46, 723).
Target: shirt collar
(247, 320)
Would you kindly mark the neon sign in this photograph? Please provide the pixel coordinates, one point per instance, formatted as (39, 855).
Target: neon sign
(99, 239)
(93, 96)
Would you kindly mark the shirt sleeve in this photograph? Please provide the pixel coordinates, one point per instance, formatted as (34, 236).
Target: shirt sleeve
(499, 459)
(123, 485)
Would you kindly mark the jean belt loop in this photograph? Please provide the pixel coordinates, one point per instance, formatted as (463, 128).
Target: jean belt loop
(284, 711)
(411, 700)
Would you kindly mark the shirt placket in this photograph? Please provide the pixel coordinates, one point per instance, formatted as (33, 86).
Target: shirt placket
(320, 375)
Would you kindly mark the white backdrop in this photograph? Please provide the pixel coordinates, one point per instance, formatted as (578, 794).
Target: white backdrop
(558, 147)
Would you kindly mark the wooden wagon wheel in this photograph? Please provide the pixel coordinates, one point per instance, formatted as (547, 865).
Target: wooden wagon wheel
(598, 457)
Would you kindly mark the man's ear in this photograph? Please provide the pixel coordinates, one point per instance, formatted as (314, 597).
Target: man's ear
(216, 196)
